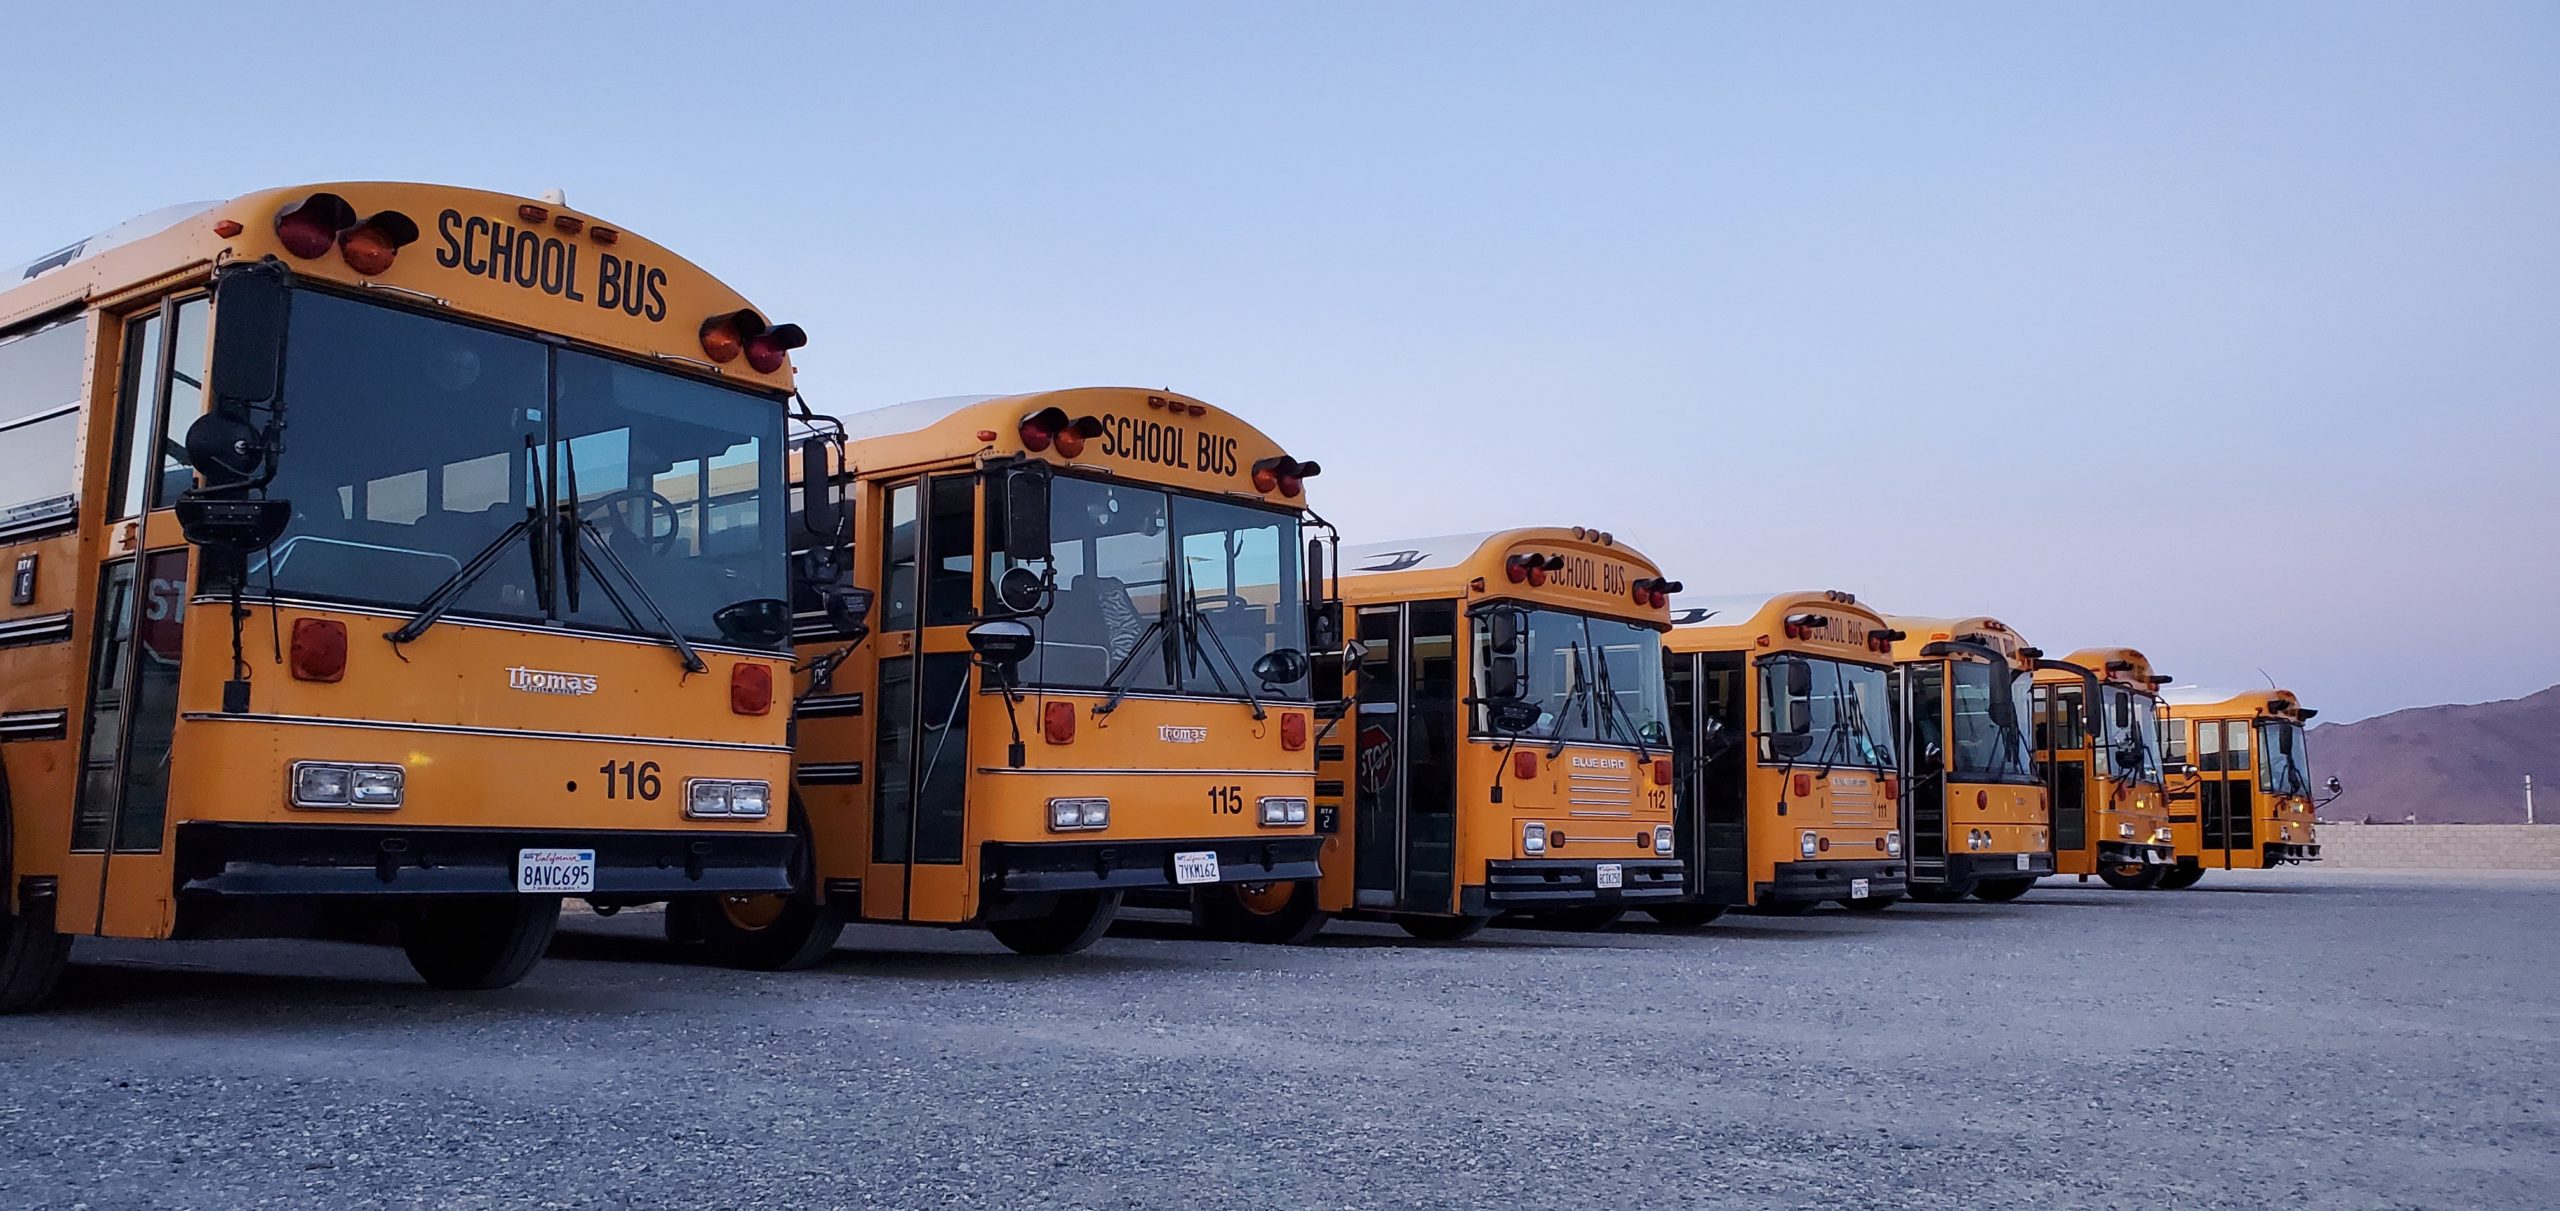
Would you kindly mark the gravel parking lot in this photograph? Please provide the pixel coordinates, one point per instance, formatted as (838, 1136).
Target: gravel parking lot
(2332, 1039)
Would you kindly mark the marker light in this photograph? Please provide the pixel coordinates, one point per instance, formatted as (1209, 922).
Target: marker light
(310, 227)
(370, 246)
(1524, 763)
(750, 689)
(1058, 722)
(1662, 771)
(767, 350)
(319, 649)
(724, 336)
(1293, 731)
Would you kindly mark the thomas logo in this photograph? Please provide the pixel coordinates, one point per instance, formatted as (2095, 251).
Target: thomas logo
(1182, 735)
(540, 681)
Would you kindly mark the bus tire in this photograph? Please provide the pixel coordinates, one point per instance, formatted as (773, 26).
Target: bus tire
(1079, 920)
(1684, 916)
(1941, 893)
(1783, 908)
(1870, 903)
(478, 943)
(2181, 877)
(2001, 891)
(1442, 929)
(1272, 914)
(32, 957)
(2130, 877)
(766, 933)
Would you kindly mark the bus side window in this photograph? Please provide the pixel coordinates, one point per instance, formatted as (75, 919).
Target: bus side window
(2173, 741)
(898, 565)
(2209, 747)
(40, 374)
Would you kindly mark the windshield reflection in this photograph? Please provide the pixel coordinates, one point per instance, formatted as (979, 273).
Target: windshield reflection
(1852, 717)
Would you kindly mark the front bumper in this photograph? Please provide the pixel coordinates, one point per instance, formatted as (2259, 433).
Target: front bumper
(1530, 884)
(2279, 853)
(272, 860)
(1019, 868)
(1829, 880)
(2126, 853)
(1977, 867)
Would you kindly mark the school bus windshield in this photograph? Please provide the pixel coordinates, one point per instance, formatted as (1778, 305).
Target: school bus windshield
(1166, 592)
(1991, 741)
(2132, 722)
(1851, 715)
(2284, 767)
(416, 442)
(1595, 680)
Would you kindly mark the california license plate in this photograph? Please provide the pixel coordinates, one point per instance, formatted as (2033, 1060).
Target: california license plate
(1612, 875)
(555, 872)
(1857, 889)
(1198, 866)
(2022, 862)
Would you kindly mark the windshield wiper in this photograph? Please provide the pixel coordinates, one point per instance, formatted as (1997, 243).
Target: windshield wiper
(1192, 626)
(1148, 641)
(1609, 713)
(1576, 694)
(441, 599)
(582, 534)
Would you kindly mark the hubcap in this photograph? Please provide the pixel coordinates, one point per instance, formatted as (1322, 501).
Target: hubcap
(751, 912)
(1264, 899)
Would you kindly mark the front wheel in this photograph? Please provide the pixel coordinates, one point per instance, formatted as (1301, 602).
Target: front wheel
(2001, 891)
(1685, 916)
(1078, 920)
(765, 933)
(31, 961)
(1442, 929)
(2131, 876)
(1870, 903)
(2181, 877)
(1274, 914)
(479, 943)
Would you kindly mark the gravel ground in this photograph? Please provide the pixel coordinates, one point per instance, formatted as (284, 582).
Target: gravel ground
(2321, 1038)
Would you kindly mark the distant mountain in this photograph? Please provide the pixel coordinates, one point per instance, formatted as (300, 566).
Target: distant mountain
(2449, 764)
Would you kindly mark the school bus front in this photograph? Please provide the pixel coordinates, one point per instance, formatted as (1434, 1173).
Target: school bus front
(2240, 791)
(1975, 817)
(500, 623)
(2097, 741)
(1789, 783)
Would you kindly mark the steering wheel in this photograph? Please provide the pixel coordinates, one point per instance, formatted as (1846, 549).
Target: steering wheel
(1225, 601)
(659, 544)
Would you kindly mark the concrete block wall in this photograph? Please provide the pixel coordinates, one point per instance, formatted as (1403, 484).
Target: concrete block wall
(2440, 846)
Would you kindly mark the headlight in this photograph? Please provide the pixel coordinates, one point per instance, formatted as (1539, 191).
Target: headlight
(1282, 811)
(334, 784)
(1808, 844)
(2125, 830)
(1662, 839)
(2161, 834)
(1076, 815)
(726, 799)
(1893, 845)
(1533, 838)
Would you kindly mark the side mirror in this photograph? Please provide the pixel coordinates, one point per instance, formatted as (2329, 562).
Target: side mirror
(1502, 631)
(1799, 682)
(1512, 716)
(2284, 741)
(1933, 757)
(233, 527)
(1283, 666)
(1026, 515)
(1002, 643)
(250, 308)
(756, 622)
(226, 450)
(1020, 590)
(2334, 786)
(849, 612)
(821, 496)
(1503, 679)
(2120, 706)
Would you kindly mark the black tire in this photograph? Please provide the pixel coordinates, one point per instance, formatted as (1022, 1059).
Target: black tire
(2001, 891)
(1272, 914)
(1871, 903)
(478, 943)
(1590, 918)
(765, 933)
(1691, 915)
(2181, 877)
(1078, 920)
(1784, 908)
(2129, 877)
(683, 921)
(1443, 929)
(1940, 893)
(31, 961)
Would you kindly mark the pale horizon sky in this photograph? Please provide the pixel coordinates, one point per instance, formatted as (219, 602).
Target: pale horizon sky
(2227, 332)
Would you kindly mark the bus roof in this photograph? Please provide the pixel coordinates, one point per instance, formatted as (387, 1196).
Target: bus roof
(1844, 629)
(1918, 632)
(1580, 569)
(1135, 434)
(2199, 702)
(531, 264)
(2127, 666)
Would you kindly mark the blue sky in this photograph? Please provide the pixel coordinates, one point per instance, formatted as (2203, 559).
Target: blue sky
(2224, 331)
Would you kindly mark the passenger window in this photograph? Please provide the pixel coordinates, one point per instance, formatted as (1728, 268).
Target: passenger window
(949, 543)
(2209, 747)
(40, 376)
(898, 565)
(2236, 747)
(182, 402)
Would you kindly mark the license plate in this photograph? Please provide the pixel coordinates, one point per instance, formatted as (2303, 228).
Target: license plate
(1200, 866)
(2022, 861)
(1612, 875)
(1857, 889)
(555, 872)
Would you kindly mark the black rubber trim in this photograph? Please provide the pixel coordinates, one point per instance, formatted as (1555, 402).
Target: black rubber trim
(256, 860)
(1520, 884)
(1823, 879)
(1015, 867)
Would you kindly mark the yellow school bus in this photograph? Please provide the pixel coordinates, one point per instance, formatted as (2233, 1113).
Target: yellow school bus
(1086, 674)
(1789, 784)
(1962, 694)
(1499, 747)
(384, 555)
(2097, 744)
(2240, 794)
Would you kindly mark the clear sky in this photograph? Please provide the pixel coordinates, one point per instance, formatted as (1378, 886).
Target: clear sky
(2231, 332)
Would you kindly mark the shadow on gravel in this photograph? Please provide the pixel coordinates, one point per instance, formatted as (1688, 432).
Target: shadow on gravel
(195, 1001)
